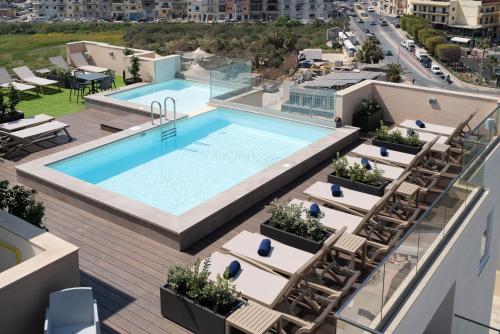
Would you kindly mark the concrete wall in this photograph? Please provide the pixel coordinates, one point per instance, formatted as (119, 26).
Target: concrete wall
(153, 67)
(26, 248)
(401, 102)
(25, 288)
(458, 267)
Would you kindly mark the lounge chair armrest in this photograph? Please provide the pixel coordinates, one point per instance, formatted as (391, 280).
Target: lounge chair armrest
(295, 320)
(46, 322)
(97, 322)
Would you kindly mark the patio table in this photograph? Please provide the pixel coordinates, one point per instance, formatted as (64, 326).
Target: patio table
(92, 77)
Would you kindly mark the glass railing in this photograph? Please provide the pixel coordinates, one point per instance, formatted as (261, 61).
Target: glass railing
(464, 325)
(370, 306)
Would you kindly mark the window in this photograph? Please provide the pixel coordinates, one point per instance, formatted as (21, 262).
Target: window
(485, 243)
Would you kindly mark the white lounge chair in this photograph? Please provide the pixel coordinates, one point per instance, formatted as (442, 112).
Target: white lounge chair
(13, 141)
(6, 80)
(25, 123)
(334, 220)
(78, 59)
(388, 172)
(449, 131)
(26, 75)
(393, 157)
(72, 311)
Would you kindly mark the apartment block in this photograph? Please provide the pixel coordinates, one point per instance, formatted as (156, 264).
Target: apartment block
(393, 7)
(460, 17)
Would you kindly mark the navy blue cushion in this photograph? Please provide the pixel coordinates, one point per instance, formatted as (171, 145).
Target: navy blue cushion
(264, 247)
(365, 163)
(420, 124)
(233, 269)
(336, 192)
(383, 151)
(314, 210)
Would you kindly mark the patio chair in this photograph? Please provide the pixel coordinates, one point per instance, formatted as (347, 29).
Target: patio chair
(26, 75)
(376, 251)
(106, 83)
(13, 141)
(72, 311)
(112, 75)
(78, 87)
(60, 63)
(6, 80)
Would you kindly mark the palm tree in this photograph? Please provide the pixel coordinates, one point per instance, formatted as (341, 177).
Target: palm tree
(395, 72)
(483, 44)
(370, 52)
(490, 63)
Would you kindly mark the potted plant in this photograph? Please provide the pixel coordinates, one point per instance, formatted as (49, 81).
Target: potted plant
(368, 115)
(292, 224)
(8, 111)
(134, 69)
(194, 301)
(396, 141)
(61, 75)
(365, 178)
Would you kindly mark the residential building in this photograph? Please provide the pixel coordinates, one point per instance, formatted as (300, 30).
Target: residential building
(393, 7)
(460, 17)
(7, 9)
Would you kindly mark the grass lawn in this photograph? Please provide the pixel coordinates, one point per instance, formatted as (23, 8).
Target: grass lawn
(54, 102)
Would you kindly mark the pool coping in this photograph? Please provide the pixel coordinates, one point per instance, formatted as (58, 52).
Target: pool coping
(185, 229)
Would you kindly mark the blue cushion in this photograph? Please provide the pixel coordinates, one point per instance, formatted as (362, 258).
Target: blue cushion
(314, 210)
(420, 124)
(383, 151)
(233, 269)
(365, 163)
(336, 192)
(264, 247)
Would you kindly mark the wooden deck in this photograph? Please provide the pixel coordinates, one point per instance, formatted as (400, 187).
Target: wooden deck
(124, 268)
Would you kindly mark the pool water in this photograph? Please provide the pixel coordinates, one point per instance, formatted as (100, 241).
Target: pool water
(211, 153)
(189, 95)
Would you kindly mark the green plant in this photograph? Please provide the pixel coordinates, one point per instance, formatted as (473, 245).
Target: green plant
(368, 106)
(135, 67)
(295, 218)
(448, 53)
(22, 203)
(340, 165)
(14, 99)
(383, 131)
(3, 106)
(396, 136)
(358, 173)
(194, 283)
(128, 52)
(370, 52)
(395, 72)
(432, 42)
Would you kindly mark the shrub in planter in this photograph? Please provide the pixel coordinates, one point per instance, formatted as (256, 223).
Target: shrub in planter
(357, 177)
(134, 69)
(196, 302)
(292, 224)
(8, 111)
(22, 203)
(61, 75)
(368, 115)
(396, 141)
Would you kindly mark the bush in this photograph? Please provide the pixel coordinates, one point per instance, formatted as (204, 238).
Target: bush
(448, 53)
(425, 33)
(370, 52)
(412, 24)
(22, 203)
(220, 295)
(368, 106)
(397, 137)
(432, 42)
(356, 172)
(295, 218)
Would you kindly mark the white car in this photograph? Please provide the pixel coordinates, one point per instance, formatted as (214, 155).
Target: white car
(436, 70)
(370, 9)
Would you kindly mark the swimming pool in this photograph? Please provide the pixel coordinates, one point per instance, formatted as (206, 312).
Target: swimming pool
(189, 95)
(211, 153)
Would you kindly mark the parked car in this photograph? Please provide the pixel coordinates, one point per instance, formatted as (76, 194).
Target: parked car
(388, 52)
(373, 23)
(370, 9)
(367, 31)
(397, 24)
(436, 70)
(306, 63)
(382, 22)
(359, 20)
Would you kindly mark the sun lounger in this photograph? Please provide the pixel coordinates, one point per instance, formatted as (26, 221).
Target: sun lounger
(81, 63)
(393, 157)
(6, 80)
(12, 141)
(24, 74)
(334, 220)
(429, 127)
(422, 136)
(59, 63)
(388, 172)
(351, 199)
(25, 123)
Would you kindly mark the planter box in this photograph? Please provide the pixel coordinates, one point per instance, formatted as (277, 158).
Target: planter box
(131, 81)
(63, 82)
(12, 117)
(362, 187)
(189, 315)
(367, 123)
(397, 147)
(291, 239)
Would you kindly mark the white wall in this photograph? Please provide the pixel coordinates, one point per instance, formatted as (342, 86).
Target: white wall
(26, 248)
(166, 67)
(459, 264)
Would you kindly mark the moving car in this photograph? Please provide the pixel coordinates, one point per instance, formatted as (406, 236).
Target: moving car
(436, 70)
(373, 23)
(397, 24)
(370, 9)
(359, 20)
(382, 22)
(388, 52)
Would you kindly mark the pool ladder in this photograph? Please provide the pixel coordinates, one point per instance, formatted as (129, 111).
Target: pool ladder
(166, 132)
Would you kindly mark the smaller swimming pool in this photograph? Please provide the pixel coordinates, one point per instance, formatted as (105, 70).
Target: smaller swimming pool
(190, 96)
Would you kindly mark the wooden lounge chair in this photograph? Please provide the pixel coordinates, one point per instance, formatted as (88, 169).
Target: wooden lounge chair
(78, 59)
(393, 157)
(6, 80)
(389, 172)
(13, 141)
(334, 220)
(24, 74)
(25, 123)
(451, 132)
(422, 136)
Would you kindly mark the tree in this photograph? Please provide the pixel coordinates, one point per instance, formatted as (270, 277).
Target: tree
(483, 44)
(448, 53)
(370, 52)
(432, 42)
(416, 27)
(395, 72)
(425, 33)
(490, 64)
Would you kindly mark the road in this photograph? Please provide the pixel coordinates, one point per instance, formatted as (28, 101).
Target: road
(390, 39)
